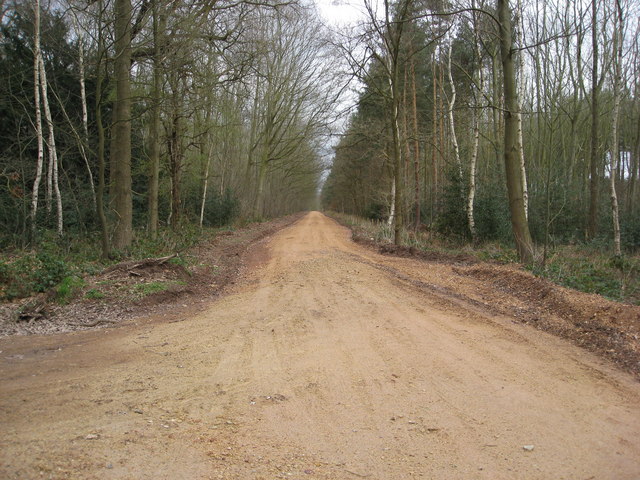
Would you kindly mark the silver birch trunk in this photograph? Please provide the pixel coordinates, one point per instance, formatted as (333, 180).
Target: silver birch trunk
(51, 144)
(392, 209)
(85, 116)
(206, 184)
(479, 76)
(617, 48)
(520, 41)
(472, 177)
(452, 102)
(36, 83)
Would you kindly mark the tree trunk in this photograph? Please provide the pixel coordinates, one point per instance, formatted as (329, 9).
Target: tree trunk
(51, 144)
(497, 104)
(121, 131)
(416, 145)
(154, 127)
(525, 189)
(478, 85)
(592, 220)
(397, 150)
(520, 226)
(472, 177)
(205, 185)
(83, 142)
(175, 167)
(104, 227)
(617, 52)
(392, 208)
(635, 165)
(39, 135)
(452, 126)
(406, 144)
(258, 207)
(434, 136)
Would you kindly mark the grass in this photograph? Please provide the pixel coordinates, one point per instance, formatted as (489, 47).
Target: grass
(94, 294)
(145, 289)
(583, 267)
(427, 241)
(141, 290)
(68, 288)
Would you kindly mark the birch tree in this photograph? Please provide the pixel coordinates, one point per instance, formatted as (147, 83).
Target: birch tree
(614, 151)
(41, 95)
(37, 54)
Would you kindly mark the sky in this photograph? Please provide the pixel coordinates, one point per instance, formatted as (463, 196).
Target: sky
(339, 13)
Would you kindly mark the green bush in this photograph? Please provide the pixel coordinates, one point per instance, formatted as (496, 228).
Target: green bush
(630, 232)
(50, 271)
(492, 216)
(31, 274)
(68, 288)
(377, 212)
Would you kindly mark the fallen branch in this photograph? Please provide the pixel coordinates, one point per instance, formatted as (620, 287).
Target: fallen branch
(34, 309)
(147, 262)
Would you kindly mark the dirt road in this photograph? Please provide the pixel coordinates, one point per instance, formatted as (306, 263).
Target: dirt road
(327, 362)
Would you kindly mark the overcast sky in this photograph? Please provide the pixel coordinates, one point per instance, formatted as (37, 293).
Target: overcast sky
(341, 12)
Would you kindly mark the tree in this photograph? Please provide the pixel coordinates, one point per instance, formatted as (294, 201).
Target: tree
(512, 146)
(159, 26)
(592, 221)
(121, 130)
(384, 40)
(38, 121)
(614, 152)
(100, 133)
(293, 98)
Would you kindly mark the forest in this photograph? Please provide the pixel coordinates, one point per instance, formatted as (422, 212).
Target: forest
(511, 121)
(121, 118)
(537, 104)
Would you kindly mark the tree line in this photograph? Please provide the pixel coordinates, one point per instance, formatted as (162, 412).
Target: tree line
(481, 119)
(495, 120)
(120, 117)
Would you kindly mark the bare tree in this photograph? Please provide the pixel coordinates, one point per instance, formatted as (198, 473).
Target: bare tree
(512, 146)
(52, 171)
(159, 26)
(39, 135)
(384, 38)
(100, 147)
(592, 219)
(121, 130)
(451, 101)
(614, 151)
(294, 97)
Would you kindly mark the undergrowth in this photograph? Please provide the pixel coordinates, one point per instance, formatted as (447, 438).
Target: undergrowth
(60, 264)
(145, 289)
(587, 268)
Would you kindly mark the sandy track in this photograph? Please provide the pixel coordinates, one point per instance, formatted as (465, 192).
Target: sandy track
(325, 363)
